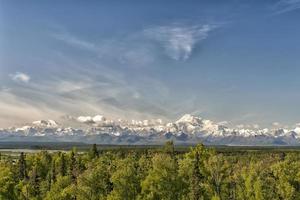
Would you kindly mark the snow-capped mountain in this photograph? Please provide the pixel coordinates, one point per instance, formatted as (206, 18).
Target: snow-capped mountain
(45, 123)
(187, 129)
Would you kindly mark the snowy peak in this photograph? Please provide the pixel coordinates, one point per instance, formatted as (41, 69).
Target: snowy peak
(45, 123)
(188, 118)
(188, 128)
(199, 126)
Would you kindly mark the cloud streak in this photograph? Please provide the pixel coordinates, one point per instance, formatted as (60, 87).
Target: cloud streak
(130, 50)
(179, 41)
(284, 6)
(99, 83)
(81, 91)
(74, 41)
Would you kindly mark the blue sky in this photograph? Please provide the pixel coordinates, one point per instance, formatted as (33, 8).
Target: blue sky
(224, 60)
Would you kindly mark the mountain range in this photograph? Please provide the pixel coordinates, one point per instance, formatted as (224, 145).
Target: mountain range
(188, 129)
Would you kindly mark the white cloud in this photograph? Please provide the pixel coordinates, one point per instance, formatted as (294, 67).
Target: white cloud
(89, 119)
(98, 118)
(85, 119)
(179, 41)
(284, 6)
(20, 77)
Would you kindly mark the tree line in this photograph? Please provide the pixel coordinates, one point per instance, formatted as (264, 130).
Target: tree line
(164, 174)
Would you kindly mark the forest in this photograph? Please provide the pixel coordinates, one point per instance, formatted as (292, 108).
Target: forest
(165, 173)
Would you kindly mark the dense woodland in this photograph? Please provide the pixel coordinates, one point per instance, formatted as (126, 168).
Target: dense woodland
(156, 174)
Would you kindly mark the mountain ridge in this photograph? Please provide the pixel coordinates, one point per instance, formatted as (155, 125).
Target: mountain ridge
(186, 130)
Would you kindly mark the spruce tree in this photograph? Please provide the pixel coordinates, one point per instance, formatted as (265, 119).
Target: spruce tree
(169, 148)
(196, 190)
(22, 166)
(62, 165)
(73, 167)
(94, 152)
(53, 171)
(35, 182)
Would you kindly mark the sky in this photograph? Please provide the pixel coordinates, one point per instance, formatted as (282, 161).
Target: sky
(235, 60)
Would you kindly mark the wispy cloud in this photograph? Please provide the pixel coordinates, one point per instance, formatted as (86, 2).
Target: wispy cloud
(20, 77)
(284, 6)
(82, 91)
(130, 50)
(98, 83)
(179, 40)
(139, 48)
(74, 41)
(17, 109)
